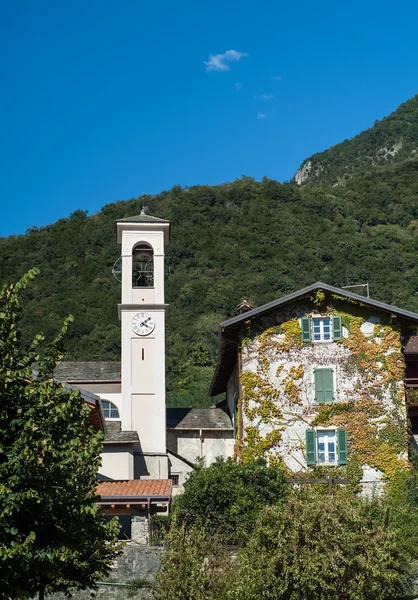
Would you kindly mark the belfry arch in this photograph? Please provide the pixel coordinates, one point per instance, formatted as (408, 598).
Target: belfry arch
(142, 265)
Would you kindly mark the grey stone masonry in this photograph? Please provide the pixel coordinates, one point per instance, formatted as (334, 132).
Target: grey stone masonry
(136, 564)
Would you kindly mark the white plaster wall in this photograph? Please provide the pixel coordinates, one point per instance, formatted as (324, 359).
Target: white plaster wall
(150, 466)
(191, 446)
(117, 461)
(180, 468)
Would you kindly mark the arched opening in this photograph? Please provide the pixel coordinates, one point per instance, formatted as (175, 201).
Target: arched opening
(110, 411)
(142, 266)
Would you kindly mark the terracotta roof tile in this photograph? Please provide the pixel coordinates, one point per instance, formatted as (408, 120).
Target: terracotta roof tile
(134, 488)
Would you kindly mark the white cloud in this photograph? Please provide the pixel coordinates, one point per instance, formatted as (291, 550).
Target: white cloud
(277, 78)
(265, 97)
(238, 86)
(261, 115)
(219, 62)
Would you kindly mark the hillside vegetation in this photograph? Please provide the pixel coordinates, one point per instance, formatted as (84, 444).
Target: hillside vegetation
(245, 239)
(391, 140)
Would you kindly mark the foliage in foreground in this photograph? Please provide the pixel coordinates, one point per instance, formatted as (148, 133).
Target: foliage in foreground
(317, 548)
(309, 547)
(226, 498)
(194, 566)
(52, 535)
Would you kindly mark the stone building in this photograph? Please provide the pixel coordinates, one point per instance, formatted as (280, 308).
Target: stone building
(317, 380)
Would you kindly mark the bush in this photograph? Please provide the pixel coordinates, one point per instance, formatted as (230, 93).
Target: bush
(315, 547)
(227, 497)
(194, 566)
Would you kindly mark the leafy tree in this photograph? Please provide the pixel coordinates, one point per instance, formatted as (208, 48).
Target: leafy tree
(194, 566)
(52, 535)
(226, 498)
(315, 547)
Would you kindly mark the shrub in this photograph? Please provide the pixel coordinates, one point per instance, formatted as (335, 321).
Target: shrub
(226, 498)
(314, 548)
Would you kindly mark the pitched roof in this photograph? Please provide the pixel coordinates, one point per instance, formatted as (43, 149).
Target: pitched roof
(88, 371)
(134, 489)
(270, 306)
(229, 329)
(116, 435)
(142, 218)
(198, 418)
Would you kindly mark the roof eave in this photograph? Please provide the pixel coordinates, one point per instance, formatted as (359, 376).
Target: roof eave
(265, 308)
(105, 500)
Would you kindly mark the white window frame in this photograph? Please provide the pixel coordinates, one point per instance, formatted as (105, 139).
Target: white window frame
(327, 430)
(322, 318)
(113, 404)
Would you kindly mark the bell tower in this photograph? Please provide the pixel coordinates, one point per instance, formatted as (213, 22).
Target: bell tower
(142, 314)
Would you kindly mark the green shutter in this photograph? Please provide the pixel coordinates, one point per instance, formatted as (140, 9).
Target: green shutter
(337, 328)
(306, 329)
(324, 385)
(342, 447)
(310, 447)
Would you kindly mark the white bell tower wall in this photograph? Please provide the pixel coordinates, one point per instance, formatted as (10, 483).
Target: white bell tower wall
(143, 355)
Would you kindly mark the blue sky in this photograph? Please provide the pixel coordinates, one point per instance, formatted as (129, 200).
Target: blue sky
(102, 101)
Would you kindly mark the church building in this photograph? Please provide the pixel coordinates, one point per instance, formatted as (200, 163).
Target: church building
(148, 449)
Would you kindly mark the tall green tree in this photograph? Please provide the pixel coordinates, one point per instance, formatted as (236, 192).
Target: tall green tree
(227, 497)
(52, 535)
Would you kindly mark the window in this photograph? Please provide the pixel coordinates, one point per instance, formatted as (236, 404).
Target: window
(324, 385)
(175, 479)
(326, 447)
(110, 411)
(325, 441)
(321, 329)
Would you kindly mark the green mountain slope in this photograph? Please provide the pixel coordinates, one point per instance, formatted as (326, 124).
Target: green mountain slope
(239, 240)
(391, 140)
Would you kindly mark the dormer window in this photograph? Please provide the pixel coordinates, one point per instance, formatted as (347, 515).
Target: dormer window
(320, 328)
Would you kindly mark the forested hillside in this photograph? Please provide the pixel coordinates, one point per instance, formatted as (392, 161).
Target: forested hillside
(391, 140)
(245, 239)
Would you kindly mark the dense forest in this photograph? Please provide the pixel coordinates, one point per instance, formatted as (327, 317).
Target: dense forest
(391, 140)
(245, 239)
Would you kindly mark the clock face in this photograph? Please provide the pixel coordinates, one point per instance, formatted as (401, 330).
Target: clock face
(143, 324)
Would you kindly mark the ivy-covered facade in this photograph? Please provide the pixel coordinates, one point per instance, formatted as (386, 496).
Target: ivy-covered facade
(316, 381)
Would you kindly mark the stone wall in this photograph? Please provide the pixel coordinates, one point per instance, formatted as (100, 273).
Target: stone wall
(136, 566)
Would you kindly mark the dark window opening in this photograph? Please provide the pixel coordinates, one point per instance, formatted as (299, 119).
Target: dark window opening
(142, 266)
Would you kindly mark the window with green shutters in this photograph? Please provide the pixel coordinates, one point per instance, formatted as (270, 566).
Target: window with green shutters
(324, 385)
(321, 329)
(326, 447)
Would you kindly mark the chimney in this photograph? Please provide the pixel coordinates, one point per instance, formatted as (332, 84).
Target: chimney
(244, 307)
